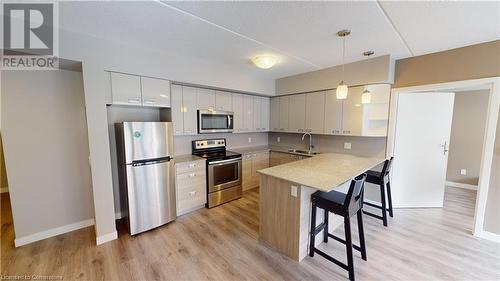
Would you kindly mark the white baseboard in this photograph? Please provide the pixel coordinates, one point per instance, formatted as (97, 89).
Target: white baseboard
(461, 185)
(490, 236)
(52, 232)
(106, 237)
(4, 189)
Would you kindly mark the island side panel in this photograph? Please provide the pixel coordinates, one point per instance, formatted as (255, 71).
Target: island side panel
(279, 216)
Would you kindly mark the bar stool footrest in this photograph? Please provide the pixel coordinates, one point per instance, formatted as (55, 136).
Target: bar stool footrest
(356, 247)
(335, 261)
(373, 215)
(375, 206)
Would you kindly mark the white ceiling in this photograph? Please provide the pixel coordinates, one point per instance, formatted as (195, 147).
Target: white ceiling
(302, 34)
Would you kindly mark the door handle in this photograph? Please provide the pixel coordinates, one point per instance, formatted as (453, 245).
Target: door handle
(445, 148)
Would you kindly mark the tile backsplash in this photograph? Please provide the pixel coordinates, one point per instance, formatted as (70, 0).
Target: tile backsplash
(182, 144)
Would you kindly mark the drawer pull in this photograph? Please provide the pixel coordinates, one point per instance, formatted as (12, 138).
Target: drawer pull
(192, 193)
(192, 175)
(133, 100)
(192, 165)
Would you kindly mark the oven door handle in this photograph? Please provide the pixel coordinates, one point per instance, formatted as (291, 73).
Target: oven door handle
(225, 161)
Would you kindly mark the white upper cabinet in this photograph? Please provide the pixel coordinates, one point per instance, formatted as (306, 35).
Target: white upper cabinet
(352, 113)
(189, 101)
(257, 114)
(205, 98)
(248, 125)
(155, 92)
(284, 103)
(333, 114)
(275, 115)
(315, 113)
(264, 112)
(223, 101)
(125, 89)
(297, 114)
(376, 113)
(177, 110)
(238, 113)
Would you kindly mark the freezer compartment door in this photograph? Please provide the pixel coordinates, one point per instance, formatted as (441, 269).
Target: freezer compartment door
(147, 140)
(151, 195)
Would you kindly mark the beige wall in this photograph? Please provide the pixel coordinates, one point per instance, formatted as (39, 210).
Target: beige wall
(3, 173)
(471, 62)
(492, 214)
(467, 136)
(371, 71)
(46, 149)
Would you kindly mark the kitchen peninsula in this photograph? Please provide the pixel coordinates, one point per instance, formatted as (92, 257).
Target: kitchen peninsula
(285, 197)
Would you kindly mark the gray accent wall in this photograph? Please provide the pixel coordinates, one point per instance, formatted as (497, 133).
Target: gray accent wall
(46, 147)
(467, 136)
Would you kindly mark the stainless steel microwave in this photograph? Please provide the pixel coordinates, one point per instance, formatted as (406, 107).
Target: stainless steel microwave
(215, 121)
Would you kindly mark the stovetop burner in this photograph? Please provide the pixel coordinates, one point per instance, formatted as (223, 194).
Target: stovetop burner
(213, 150)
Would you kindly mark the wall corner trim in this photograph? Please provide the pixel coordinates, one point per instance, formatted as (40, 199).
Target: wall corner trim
(106, 237)
(489, 236)
(52, 232)
(461, 185)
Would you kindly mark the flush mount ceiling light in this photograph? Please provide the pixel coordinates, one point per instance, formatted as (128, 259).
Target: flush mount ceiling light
(368, 53)
(342, 88)
(264, 61)
(366, 97)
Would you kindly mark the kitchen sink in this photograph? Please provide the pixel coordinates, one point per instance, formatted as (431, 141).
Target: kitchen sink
(305, 152)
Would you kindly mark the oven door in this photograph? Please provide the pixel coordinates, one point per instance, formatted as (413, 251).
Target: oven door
(211, 121)
(224, 174)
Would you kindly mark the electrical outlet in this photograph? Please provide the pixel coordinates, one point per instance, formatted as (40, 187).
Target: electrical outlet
(463, 172)
(278, 139)
(293, 190)
(249, 140)
(347, 145)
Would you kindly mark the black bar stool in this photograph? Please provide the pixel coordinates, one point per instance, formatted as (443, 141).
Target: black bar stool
(345, 205)
(382, 180)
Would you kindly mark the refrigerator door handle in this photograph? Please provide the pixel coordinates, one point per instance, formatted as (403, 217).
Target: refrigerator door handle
(136, 163)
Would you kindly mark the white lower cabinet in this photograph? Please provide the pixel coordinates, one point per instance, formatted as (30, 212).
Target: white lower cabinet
(190, 186)
(252, 162)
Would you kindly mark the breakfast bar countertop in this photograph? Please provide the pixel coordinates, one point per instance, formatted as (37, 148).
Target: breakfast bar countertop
(324, 171)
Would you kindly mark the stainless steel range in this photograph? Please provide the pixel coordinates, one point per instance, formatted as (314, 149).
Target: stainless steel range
(223, 171)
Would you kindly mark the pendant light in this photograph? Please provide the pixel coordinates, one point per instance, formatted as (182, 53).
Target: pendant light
(366, 97)
(342, 88)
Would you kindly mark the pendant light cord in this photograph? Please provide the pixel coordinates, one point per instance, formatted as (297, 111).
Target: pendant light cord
(343, 59)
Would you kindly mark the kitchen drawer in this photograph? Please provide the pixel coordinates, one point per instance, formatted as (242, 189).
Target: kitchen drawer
(188, 167)
(191, 198)
(186, 180)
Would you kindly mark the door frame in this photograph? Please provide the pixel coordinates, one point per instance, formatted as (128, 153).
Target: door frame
(493, 84)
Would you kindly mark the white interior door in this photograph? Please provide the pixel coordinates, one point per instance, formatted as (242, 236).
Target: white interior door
(423, 127)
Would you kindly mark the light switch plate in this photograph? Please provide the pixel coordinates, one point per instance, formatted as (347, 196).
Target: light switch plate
(463, 172)
(249, 140)
(293, 190)
(347, 145)
(278, 139)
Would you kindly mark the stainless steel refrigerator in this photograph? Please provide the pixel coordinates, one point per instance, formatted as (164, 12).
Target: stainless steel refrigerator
(145, 155)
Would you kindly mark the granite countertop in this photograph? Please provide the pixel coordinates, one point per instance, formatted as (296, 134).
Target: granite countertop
(187, 158)
(324, 171)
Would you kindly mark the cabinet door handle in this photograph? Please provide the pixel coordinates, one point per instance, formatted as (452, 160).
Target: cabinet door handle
(133, 100)
(300, 130)
(192, 193)
(192, 165)
(149, 101)
(192, 175)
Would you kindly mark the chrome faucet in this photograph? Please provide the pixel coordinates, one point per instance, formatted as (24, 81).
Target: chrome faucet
(311, 146)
